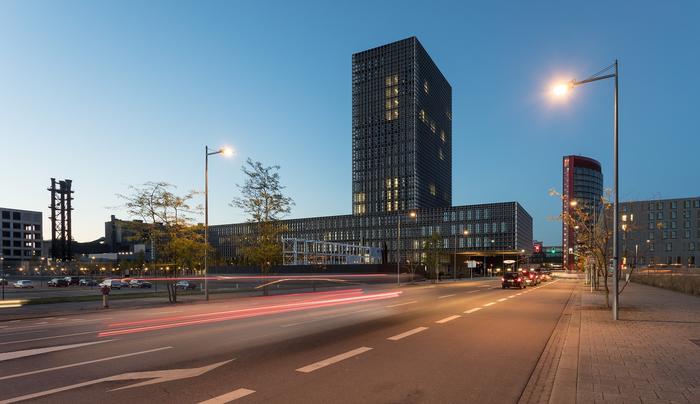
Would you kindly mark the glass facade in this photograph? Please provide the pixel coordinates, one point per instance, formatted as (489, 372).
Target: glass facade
(582, 183)
(401, 130)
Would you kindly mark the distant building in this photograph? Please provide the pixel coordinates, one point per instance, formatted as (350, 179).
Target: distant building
(582, 186)
(21, 236)
(663, 232)
(120, 237)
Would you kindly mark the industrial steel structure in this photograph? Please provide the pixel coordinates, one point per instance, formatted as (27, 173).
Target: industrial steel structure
(61, 223)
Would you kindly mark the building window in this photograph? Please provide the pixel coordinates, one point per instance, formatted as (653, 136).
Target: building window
(669, 246)
(674, 214)
(426, 88)
(6, 215)
(691, 246)
(16, 216)
(651, 235)
(674, 204)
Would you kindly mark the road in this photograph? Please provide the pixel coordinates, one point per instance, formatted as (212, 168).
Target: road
(453, 342)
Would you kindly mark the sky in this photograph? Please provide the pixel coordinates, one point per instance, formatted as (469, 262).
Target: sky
(112, 94)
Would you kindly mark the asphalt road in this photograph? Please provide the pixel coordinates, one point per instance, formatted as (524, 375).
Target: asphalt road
(452, 342)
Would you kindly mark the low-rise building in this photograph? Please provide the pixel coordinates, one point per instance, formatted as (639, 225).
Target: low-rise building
(20, 236)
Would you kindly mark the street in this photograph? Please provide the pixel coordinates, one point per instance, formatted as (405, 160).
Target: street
(452, 342)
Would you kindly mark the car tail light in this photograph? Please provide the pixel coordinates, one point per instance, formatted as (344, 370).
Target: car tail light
(520, 279)
(503, 279)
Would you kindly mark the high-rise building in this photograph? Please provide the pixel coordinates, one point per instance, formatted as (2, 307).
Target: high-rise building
(402, 173)
(401, 130)
(582, 187)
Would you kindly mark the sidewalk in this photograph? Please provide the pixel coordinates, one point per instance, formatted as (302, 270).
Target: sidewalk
(651, 355)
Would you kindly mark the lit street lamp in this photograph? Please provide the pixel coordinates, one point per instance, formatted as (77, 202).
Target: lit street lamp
(465, 232)
(226, 151)
(398, 245)
(563, 89)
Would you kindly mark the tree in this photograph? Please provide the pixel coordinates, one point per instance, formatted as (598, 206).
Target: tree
(166, 220)
(433, 253)
(263, 200)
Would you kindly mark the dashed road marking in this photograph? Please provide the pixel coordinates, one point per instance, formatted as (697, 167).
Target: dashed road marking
(228, 397)
(5, 356)
(444, 296)
(511, 296)
(446, 319)
(402, 304)
(470, 311)
(407, 333)
(489, 304)
(333, 359)
(502, 299)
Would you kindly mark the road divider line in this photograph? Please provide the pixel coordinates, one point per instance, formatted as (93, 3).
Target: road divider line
(6, 356)
(446, 319)
(407, 333)
(45, 338)
(502, 299)
(489, 304)
(333, 359)
(402, 304)
(444, 296)
(470, 311)
(511, 296)
(228, 397)
(71, 365)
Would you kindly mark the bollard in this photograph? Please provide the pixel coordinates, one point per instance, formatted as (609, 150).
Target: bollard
(105, 296)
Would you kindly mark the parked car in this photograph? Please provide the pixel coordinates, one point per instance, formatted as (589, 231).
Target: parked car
(57, 282)
(512, 280)
(185, 285)
(139, 283)
(24, 284)
(72, 280)
(114, 284)
(87, 282)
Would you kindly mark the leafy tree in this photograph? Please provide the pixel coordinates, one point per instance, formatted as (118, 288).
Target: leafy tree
(433, 254)
(166, 220)
(263, 200)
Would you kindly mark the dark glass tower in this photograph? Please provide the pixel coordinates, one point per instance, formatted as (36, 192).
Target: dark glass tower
(583, 183)
(401, 130)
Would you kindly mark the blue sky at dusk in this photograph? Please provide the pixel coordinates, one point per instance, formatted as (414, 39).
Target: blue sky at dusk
(116, 93)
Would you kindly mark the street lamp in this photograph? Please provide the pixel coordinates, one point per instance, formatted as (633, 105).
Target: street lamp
(2, 269)
(412, 215)
(466, 233)
(227, 152)
(561, 90)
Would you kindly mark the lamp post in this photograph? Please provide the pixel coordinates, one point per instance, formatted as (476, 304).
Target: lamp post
(398, 245)
(560, 90)
(226, 151)
(2, 269)
(465, 232)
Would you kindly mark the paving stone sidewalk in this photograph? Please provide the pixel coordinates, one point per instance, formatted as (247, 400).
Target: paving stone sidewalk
(651, 355)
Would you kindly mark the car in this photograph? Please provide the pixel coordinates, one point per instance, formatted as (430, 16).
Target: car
(23, 284)
(513, 279)
(87, 282)
(531, 278)
(544, 276)
(72, 280)
(139, 283)
(57, 282)
(185, 285)
(114, 284)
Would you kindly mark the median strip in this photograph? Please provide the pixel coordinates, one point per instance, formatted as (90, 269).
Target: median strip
(446, 319)
(334, 359)
(407, 333)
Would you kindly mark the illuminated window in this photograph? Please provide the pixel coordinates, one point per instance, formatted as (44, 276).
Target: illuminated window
(425, 87)
(433, 190)
(442, 157)
(442, 135)
(432, 126)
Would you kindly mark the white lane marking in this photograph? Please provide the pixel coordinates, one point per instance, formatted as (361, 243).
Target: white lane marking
(228, 397)
(446, 319)
(407, 333)
(444, 296)
(45, 338)
(42, 323)
(485, 286)
(470, 311)
(502, 299)
(6, 356)
(511, 296)
(489, 304)
(155, 376)
(474, 291)
(109, 358)
(518, 294)
(333, 359)
(402, 304)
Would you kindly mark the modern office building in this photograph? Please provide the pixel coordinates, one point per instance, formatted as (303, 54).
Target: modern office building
(21, 236)
(660, 233)
(401, 130)
(583, 187)
(402, 171)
